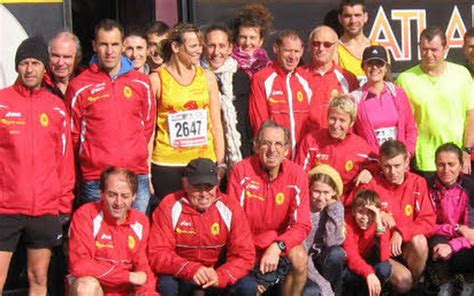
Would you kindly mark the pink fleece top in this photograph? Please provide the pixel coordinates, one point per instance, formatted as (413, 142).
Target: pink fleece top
(372, 115)
(452, 207)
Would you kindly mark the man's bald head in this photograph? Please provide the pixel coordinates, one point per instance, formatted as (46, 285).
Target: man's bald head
(324, 30)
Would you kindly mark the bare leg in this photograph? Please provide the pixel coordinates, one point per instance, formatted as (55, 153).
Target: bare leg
(85, 286)
(296, 279)
(416, 253)
(5, 258)
(38, 263)
(401, 277)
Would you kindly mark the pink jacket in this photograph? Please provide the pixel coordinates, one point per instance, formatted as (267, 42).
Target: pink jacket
(407, 131)
(452, 207)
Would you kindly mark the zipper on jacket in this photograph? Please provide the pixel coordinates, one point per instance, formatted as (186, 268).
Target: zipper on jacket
(116, 102)
(32, 146)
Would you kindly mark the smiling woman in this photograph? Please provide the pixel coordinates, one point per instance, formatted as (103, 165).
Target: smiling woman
(189, 111)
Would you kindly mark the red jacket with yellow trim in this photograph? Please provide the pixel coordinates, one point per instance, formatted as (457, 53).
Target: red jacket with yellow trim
(359, 246)
(183, 239)
(276, 210)
(36, 157)
(112, 120)
(348, 157)
(409, 204)
(282, 97)
(100, 248)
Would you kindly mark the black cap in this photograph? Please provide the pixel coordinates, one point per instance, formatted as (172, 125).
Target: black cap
(201, 171)
(33, 47)
(375, 52)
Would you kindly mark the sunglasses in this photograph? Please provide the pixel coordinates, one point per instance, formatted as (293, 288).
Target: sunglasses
(326, 44)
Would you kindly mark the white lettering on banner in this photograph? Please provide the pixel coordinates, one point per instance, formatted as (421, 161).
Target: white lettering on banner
(188, 128)
(382, 32)
(386, 133)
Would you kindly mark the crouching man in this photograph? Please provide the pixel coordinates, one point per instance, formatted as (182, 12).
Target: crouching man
(200, 239)
(108, 241)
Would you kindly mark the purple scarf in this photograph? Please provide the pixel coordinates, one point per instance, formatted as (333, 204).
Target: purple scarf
(251, 64)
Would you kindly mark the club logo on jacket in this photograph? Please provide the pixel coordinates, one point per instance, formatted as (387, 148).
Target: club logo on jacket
(131, 242)
(299, 96)
(349, 165)
(280, 198)
(127, 92)
(44, 119)
(215, 228)
(408, 210)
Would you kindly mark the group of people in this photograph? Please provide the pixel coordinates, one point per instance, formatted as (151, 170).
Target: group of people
(326, 178)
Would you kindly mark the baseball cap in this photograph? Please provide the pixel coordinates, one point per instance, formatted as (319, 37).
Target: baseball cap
(201, 171)
(375, 52)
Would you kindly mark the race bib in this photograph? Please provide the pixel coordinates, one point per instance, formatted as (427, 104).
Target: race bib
(188, 128)
(385, 134)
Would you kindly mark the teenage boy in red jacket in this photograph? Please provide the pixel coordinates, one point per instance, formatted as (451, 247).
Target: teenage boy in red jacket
(408, 212)
(367, 245)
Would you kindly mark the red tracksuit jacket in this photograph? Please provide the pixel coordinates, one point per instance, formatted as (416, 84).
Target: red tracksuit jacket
(348, 157)
(409, 203)
(359, 243)
(112, 120)
(183, 239)
(36, 157)
(277, 210)
(100, 248)
(284, 98)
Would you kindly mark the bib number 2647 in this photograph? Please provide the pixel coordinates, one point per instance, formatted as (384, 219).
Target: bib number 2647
(188, 128)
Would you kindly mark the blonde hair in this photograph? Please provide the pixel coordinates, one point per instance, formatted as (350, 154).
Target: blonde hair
(344, 103)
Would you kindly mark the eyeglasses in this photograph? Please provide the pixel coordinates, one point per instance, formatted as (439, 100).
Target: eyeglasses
(268, 144)
(326, 44)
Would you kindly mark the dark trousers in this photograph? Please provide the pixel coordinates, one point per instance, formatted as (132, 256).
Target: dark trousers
(169, 285)
(460, 262)
(166, 180)
(356, 285)
(330, 264)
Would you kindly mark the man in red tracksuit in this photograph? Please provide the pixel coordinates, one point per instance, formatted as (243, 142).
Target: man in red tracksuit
(113, 115)
(408, 212)
(329, 78)
(200, 239)
(282, 91)
(36, 166)
(108, 242)
(274, 194)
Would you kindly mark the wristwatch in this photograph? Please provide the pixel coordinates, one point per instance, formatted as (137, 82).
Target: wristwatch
(457, 228)
(281, 245)
(469, 150)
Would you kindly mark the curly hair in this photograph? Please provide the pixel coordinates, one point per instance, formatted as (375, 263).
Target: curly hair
(253, 15)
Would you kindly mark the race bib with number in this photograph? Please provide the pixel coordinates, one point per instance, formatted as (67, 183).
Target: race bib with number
(188, 128)
(385, 134)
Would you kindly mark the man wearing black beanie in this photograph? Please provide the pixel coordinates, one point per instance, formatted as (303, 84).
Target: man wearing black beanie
(36, 166)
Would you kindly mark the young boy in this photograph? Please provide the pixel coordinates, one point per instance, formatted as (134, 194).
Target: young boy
(367, 246)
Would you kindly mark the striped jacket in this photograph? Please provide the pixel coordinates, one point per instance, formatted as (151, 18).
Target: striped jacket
(276, 210)
(100, 248)
(112, 119)
(282, 97)
(183, 239)
(36, 157)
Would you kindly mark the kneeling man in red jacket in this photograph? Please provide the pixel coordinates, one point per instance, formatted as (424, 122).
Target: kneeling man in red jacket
(200, 239)
(108, 241)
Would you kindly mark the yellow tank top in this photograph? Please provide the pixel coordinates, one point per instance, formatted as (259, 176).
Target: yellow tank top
(183, 121)
(351, 63)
